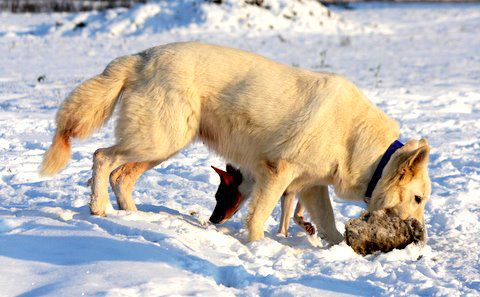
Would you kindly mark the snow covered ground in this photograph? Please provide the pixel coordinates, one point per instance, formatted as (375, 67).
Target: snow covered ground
(419, 62)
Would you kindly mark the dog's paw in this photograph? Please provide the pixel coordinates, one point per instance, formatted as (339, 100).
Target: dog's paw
(334, 238)
(309, 228)
(98, 213)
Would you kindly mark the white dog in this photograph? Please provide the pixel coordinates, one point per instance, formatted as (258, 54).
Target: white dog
(292, 129)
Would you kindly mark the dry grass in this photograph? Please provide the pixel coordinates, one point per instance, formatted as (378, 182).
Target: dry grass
(19, 6)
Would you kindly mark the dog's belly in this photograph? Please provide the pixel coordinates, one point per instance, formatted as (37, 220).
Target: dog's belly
(231, 144)
(248, 144)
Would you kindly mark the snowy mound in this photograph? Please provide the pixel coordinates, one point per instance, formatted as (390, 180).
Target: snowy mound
(234, 16)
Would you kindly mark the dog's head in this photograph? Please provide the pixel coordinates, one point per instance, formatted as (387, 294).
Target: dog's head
(405, 186)
(228, 195)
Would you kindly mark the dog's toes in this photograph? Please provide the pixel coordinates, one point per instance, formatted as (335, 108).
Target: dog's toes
(100, 214)
(309, 228)
(96, 212)
(336, 238)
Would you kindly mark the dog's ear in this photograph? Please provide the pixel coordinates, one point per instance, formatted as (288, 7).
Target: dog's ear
(235, 173)
(225, 178)
(423, 142)
(414, 161)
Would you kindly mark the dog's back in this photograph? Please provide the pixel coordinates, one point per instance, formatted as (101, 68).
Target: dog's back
(247, 106)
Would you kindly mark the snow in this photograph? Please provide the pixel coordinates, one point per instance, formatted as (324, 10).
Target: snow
(418, 62)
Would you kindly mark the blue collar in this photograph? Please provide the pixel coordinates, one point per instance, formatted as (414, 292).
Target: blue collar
(378, 171)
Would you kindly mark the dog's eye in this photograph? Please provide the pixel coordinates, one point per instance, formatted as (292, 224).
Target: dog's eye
(418, 199)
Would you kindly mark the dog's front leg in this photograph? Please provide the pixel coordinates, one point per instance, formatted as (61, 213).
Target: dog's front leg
(287, 209)
(318, 204)
(271, 181)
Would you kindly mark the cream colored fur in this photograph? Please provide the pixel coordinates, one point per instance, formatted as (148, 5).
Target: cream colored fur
(287, 210)
(293, 129)
(86, 109)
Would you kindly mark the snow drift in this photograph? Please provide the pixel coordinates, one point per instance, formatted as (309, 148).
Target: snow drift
(200, 16)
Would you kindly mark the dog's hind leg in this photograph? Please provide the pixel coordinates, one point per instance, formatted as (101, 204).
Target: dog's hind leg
(148, 131)
(271, 181)
(123, 179)
(318, 204)
(104, 161)
(287, 209)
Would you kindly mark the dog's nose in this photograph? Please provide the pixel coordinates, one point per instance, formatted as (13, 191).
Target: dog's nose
(216, 218)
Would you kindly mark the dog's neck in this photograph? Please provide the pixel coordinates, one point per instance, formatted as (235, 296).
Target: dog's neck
(377, 174)
(353, 177)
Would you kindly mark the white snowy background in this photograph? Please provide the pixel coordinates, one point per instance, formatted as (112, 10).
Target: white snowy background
(420, 63)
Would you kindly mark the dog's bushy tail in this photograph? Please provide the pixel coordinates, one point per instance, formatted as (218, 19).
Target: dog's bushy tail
(86, 109)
